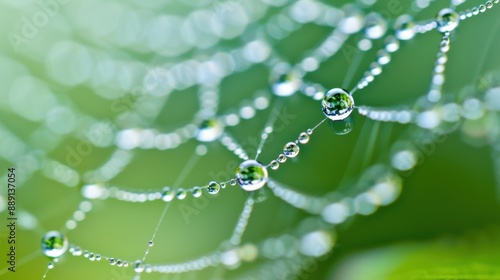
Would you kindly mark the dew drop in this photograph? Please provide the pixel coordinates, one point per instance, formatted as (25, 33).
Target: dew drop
(337, 104)
(54, 244)
(232, 182)
(180, 194)
(112, 261)
(213, 187)
(209, 130)
(303, 138)
(138, 266)
(291, 150)
(251, 175)
(281, 158)
(447, 20)
(196, 192)
(151, 243)
(285, 81)
(167, 194)
(274, 165)
(405, 27)
(375, 26)
(51, 265)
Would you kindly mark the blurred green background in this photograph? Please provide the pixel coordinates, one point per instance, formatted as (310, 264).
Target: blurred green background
(443, 224)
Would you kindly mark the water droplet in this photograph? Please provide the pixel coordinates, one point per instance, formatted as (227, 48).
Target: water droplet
(281, 158)
(112, 261)
(303, 138)
(209, 130)
(405, 27)
(98, 257)
(232, 182)
(309, 131)
(391, 44)
(291, 150)
(51, 265)
(251, 175)
(86, 254)
(447, 20)
(138, 266)
(222, 185)
(383, 57)
(285, 81)
(54, 244)
(92, 257)
(342, 127)
(167, 194)
(213, 187)
(274, 165)
(151, 243)
(196, 192)
(119, 263)
(180, 194)
(375, 26)
(353, 21)
(337, 104)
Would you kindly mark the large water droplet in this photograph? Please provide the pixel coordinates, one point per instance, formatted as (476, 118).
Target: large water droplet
(54, 244)
(447, 20)
(405, 27)
(209, 130)
(251, 175)
(337, 104)
(291, 150)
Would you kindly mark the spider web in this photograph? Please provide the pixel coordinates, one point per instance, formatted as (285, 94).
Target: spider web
(103, 103)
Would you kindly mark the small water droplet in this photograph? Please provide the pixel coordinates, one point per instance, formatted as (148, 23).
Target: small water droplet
(274, 165)
(112, 261)
(447, 20)
(405, 27)
(54, 244)
(232, 182)
(209, 130)
(281, 158)
(138, 266)
(151, 243)
(337, 104)
(196, 192)
(251, 175)
(284, 80)
(291, 150)
(303, 138)
(222, 185)
(213, 187)
(309, 131)
(167, 194)
(180, 194)
(375, 26)
(50, 265)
